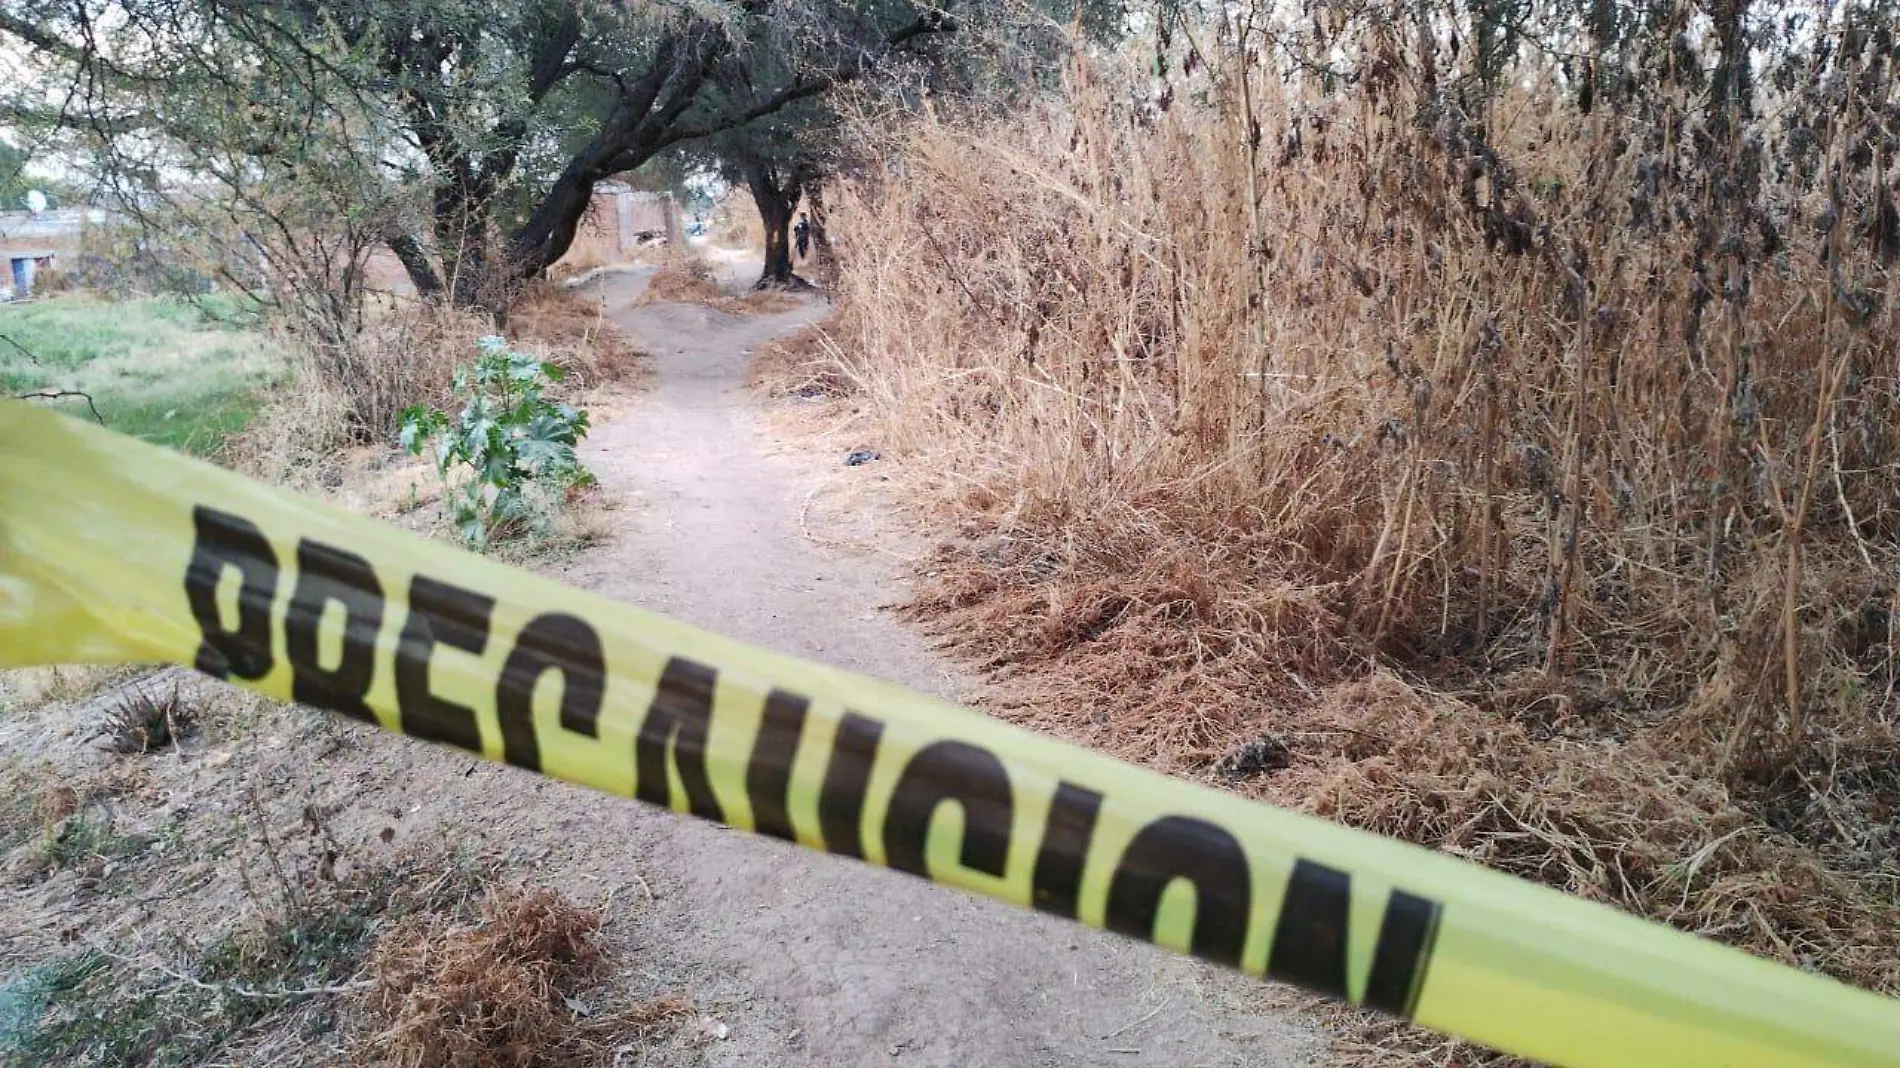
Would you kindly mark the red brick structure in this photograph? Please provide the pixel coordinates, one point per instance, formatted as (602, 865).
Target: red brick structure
(620, 219)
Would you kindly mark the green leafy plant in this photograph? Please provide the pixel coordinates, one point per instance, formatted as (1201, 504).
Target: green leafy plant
(515, 445)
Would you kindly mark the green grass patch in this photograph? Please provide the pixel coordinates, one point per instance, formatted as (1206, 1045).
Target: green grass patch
(186, 374)
(88, 836)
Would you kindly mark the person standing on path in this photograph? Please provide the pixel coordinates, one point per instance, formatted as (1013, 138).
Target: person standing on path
(801, 235)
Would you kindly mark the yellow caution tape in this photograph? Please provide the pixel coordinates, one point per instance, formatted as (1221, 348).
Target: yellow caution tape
(112, 551)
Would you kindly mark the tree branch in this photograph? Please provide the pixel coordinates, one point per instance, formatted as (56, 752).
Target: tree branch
(801, 89)
(550, 65)
(58, 394)
(85, 56)
(40, 39)
(23, 350)
(416, 263)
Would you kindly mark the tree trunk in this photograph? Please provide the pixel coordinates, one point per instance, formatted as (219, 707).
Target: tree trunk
(549, 232)
(777, 270)
(824, 258)
(416, 263)
(775, 204)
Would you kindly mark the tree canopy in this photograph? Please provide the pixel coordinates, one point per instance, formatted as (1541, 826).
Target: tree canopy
(468, 135)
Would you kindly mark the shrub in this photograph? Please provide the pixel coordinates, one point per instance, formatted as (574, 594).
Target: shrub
(145, 721)
(514, 445)
(356, 390)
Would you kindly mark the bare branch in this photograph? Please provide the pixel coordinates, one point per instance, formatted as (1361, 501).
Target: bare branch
(59, 394)
(22, 349)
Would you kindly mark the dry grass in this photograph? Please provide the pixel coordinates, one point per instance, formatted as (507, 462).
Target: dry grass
(354, 395)
(579, 518)
(1445, 465)
(503, 991)
(805, 364)
(34, 798)
(574, 332)
(60, 817)
(32, 687)
(691, 281)
(683, 281)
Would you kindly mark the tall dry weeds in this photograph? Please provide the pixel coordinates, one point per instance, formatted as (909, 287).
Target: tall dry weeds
(1523, 470)
(354, 393)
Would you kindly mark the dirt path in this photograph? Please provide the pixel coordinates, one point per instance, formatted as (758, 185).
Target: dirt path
(788, 958)
(814, 960)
